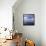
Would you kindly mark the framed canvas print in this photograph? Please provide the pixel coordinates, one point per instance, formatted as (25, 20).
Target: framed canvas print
(28, 19)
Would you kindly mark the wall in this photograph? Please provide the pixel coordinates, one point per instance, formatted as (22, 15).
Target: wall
(43, 22)
(15, 12)
(6, 13)
(29, 32)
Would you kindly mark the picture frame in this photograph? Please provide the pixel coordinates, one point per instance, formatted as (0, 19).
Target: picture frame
(29, 19)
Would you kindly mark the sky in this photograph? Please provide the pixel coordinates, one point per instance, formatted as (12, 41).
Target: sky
(6, 13)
